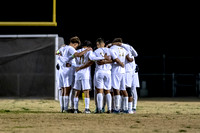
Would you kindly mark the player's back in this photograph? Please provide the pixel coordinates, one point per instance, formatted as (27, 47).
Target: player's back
(100, 52)
(83, 73)
(121, 55)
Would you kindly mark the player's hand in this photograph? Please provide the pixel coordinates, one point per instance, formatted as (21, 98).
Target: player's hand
(101, 62)
(68, 65)
(106, 57)
(122, 65)
(88, 49)
(77, 69)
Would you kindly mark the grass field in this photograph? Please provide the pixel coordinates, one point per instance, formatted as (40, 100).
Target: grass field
(153, 115)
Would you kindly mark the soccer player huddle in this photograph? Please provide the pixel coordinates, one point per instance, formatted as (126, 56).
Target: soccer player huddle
(115, 78)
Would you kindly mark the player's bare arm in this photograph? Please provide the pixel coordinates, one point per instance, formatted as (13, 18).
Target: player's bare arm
(129, 58)
(102, 62)
(87, 64)
(119, 62)
(82, 53)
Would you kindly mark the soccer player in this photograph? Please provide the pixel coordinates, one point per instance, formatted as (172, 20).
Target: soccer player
(103, 75)
(59, 67)
(132, 80)
(118, 75)
(69, 53)
(83, 76)
(135, 84)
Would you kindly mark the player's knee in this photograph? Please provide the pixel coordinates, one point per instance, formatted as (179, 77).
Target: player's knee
(128, 89)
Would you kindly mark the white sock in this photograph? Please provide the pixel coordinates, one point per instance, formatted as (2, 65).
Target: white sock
(117, 102)
(61, 101)
(109, 101)
(129, 106)
(76, 102)
(66, 102)
(135, 97)
(99, 101)
(126, 103)
(87, 103)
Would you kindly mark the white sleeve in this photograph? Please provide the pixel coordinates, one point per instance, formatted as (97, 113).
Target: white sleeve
(72, 51)
(130, 48)
(93, 57)
(113, 54)
(133, 52)
(73, 63)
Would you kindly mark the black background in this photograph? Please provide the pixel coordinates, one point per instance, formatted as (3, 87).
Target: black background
(153, 29)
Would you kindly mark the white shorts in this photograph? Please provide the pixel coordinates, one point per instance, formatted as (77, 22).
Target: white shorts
(60, 80)
(128, 79)
(135, 81)
(66, 77)
(103, 79)
(83, 84)
(118, 81)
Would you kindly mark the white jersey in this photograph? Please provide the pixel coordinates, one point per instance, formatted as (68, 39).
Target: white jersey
(130, 49)
(121, 54)
(100, 52)
(85, 73)
(60, 60)
(68, 52)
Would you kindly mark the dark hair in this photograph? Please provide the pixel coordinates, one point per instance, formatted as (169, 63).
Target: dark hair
(117, 40)
(87, 43)
(75, 40)
(100, 40)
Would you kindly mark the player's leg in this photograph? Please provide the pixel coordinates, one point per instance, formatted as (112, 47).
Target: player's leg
(77, 89)
(108, 100)
(129, 80)
(135, 98)
(61, 90)
(99, 90)
(66, 97)
(85, 83)
(95, 93)
(112, 100)
(121, 108)
(99, 99)
(116, 82)
(76, 100)
(135, 84)
(124, 93)
(71, 96)
(61, 94)
(104, 103)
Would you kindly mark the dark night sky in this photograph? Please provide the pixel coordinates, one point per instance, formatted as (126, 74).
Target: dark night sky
(153, 29)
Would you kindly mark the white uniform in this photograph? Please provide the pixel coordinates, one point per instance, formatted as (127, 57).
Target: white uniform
(67, 73)
(83, 76)
(103, 72)
(60, 62)
(118, 72)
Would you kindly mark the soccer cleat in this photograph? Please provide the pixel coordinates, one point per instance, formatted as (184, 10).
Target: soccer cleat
(134, 111)
(96, 110)
(116, 111)
(109, 112)
(75, 111)
(125, 112)
(87, 111)
(130, 112)
(103, 110)
(62, 109)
